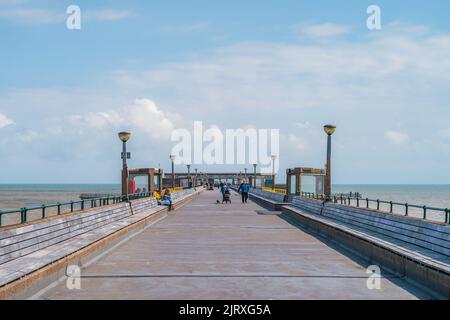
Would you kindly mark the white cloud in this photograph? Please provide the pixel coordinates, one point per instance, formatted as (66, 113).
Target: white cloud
(303, 125)
(107, 15)
(33, 15)
(445, 133)
(396, 137)
(325, 30)
(190, 28)
(25, 12)
(145, 116)
(28, 136)
(298, 143)
(5, 121)
(100, 120)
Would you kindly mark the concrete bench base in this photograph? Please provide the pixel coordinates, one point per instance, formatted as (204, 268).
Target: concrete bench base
(429, 274)
(26, 276)
(267, 203)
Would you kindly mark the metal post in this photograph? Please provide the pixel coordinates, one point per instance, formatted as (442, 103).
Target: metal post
(124, 170)
(254, 175)
(173, 175)
(328, 172)
(274, 157)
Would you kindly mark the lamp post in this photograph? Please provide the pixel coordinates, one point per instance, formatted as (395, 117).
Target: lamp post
(254, 175)
(274, 157)
(329, 130)
(245, 175)
(189, 174)
(195, 180)
(172, 158)
(124, 137)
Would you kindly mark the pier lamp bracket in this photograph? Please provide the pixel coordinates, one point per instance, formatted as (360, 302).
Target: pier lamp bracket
(128, 155)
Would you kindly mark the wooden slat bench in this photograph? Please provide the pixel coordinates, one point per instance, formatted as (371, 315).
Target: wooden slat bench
(26, 250)
(417, 249)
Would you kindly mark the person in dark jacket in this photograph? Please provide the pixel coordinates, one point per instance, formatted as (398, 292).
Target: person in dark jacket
(244, 188)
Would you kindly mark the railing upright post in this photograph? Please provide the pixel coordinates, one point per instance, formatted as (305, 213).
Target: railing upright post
(406, 209)
(367, 200)
(378, 204)
(392, 206)
(59, 208)
(357, 202)
(23, 215)
(447, 218)
(43, 211)
(71, 206)
(424, 212)
(82, 205)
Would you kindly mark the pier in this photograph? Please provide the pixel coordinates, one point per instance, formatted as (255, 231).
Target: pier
(265, 249)
(238, 251)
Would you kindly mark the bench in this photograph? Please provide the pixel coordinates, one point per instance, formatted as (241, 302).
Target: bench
(273, 201)
(417, 249)
(25, 250)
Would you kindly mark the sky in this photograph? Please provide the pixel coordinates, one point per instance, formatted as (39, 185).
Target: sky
(151, 67)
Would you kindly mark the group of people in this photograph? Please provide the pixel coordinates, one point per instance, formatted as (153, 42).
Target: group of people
(225, 189)
(165, 199)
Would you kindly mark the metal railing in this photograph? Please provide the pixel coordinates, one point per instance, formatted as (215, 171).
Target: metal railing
(312, 195)
(60, 208)
(422, 211)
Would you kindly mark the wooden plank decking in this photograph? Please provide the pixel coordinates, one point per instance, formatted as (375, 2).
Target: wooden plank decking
(206, 250)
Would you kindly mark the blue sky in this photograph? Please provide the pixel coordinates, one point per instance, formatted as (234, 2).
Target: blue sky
(153, 66)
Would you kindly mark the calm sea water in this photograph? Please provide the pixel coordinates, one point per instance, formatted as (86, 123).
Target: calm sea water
(430, 195)
(13, 196)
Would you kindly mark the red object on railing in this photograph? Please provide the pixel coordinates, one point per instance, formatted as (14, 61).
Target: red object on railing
(132, 186)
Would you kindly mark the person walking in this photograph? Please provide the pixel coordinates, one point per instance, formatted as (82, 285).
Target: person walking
(244, 188)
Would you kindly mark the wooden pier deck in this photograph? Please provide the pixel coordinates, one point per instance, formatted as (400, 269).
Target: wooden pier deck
(205, 250)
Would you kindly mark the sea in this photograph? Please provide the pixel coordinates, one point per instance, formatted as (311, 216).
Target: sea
(14, 196)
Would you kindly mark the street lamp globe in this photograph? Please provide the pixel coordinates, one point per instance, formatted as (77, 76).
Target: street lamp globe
(329, 129)
(172, 157)
(274, 157)
(124, 136)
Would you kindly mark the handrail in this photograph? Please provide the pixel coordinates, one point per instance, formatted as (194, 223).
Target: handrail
(81, 204)
(366, 203)
(71, 206)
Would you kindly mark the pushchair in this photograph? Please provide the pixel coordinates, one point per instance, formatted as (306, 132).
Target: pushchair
(226, 196)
